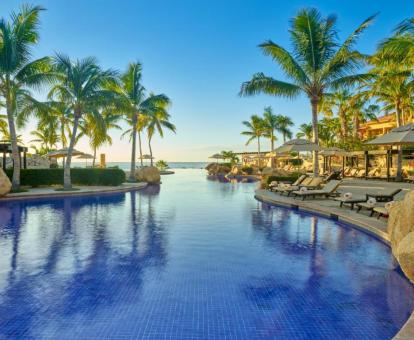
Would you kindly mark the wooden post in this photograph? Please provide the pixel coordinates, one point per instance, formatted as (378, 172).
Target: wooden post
(388, 165)
(4, 161)
(366, 164)
(343, 166)
(103, 161)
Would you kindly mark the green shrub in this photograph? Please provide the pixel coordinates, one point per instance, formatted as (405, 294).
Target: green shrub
(80, 176)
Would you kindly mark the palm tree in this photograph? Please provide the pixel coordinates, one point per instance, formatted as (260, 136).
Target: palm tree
(231, 156)
(3, 126)
(134, 104)
(305, 130)
(317, 64)
(283, 123)
(96, 127)
(271, 124)
(158, 120)
(47, 136)
(82, 86)
(338, 101)
(18, 72)
(256, 129)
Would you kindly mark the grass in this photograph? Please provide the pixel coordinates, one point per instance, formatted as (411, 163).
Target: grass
(16, 191)
(67, 190)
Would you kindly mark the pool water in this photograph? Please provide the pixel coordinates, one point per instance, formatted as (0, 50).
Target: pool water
(194, 258)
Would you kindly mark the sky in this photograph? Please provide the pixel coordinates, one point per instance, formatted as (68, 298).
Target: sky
(198, 52)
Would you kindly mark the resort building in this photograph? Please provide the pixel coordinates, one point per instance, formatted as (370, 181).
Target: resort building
(378, 127)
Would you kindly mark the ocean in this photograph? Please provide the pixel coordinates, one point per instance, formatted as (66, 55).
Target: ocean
(126, 165)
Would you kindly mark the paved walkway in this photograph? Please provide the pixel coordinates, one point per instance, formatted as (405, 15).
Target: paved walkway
(330, 208)
(83, 190)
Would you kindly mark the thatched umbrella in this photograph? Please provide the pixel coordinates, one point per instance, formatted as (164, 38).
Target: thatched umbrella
(85, 156)
(297, 145)
(217, 156)
(63, 153)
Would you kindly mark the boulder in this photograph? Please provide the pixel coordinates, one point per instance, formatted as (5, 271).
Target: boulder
(401, 221)
(217, 168)
(405, 255)
(149, 174)
(5, 184)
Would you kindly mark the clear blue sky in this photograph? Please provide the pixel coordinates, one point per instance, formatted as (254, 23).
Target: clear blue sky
(198, 53)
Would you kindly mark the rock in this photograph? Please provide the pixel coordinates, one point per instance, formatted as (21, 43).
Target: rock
(217, 168)
(405, 255)
(5, 184)
(401, 220)
(149, 174)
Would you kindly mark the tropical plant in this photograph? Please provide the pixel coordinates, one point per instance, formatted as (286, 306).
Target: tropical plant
(230, 156)
(256, 130)
(157, 121)
(4, 129)
(82, 86)
(134, 104)
(161, 165)
(317, 64)
(18, 72)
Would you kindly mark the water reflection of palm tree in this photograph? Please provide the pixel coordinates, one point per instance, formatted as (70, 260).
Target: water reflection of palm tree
(105, 272)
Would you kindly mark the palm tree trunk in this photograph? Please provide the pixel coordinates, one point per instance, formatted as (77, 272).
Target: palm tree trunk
(14, 145)
(399, 156)
(314, 104)
(140, 148)
(356, 126)
(258, 151)
(342, 119)
(134, 142)
(150, 149)
(67, 183)
(62, 133)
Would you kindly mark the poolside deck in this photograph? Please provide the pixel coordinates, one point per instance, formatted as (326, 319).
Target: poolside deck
(330, 208)
(82, 190)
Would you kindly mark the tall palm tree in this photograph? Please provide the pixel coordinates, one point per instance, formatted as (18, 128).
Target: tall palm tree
(158, 120)
(82, 86)
(256, 130)
(317, 64)
(18, 72)
(134, 104)
(283, 123)
(271, 124)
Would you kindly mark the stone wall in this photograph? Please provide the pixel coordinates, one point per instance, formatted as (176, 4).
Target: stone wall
(401, 231)
(33, 162)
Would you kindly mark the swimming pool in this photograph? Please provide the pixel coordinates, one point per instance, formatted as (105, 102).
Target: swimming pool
(193, 259)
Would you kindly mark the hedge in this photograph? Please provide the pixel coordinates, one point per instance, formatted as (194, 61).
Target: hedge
(80, 176)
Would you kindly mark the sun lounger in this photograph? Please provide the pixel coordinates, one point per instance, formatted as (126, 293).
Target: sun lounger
(288, 188)
(386, 195)
(381, 211)
(276, 186)
(369, 207)
(328, 190)
(350, 201)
